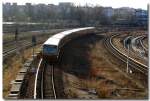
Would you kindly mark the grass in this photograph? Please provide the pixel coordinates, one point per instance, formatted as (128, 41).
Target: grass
(11, 69)
(9, 36)
(108, 68)
(109, 78)
(9, 75)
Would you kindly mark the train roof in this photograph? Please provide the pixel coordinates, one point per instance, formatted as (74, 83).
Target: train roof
(52, 41)
(55, 39)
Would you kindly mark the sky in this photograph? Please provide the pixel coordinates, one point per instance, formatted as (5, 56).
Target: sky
(106, 3)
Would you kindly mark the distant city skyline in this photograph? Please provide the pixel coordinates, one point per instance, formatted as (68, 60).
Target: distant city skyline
(106, 3)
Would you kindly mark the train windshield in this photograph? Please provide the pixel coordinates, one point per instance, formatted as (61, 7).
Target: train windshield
(49, 49)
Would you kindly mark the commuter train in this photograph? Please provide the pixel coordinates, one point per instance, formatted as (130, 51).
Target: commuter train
(51, 48)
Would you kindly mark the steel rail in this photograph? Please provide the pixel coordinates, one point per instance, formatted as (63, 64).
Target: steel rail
(36, 77)
(42, 84)
(12, 48)
(15, 48)
(53, 84)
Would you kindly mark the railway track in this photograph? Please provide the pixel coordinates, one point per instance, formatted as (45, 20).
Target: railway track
(141, 42)
(139, 49)
(137, 42)
(23, 45)
(10, 46)
(12, 50)
(123, 57)
(44, 87)
(48, 83)
(13, 44)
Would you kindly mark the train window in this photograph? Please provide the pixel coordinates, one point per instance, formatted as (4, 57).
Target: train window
(49, 49)
(14, 92)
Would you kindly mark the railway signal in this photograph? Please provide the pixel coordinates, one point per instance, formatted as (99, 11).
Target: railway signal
(33, 44)
(33, 40)
(16, 34)
(128, 42)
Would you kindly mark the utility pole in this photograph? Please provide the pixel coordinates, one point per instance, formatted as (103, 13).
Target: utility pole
(128, 59)
(128, 42)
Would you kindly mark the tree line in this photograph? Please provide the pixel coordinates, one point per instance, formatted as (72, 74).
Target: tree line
(76, 15)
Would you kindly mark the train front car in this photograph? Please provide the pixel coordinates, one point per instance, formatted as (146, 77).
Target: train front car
(50, 53)
(50, 50)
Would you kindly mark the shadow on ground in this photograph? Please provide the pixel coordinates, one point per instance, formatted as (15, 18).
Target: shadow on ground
(75, 55)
